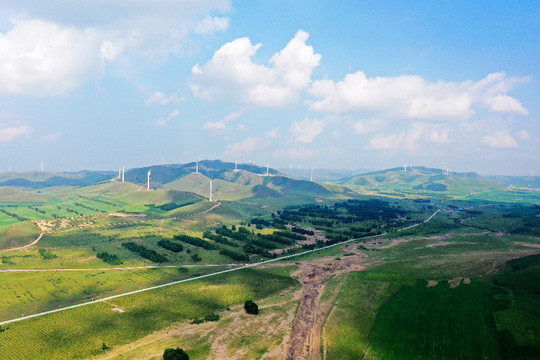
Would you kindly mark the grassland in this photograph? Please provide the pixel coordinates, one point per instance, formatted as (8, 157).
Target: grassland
(438, 323)
(80, 333)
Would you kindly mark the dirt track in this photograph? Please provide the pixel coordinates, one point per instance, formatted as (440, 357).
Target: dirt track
(305, 339)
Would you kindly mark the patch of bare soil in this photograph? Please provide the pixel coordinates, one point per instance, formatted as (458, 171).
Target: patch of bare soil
(537, 246)
(306, 335)
(432, 283)
(454, 283)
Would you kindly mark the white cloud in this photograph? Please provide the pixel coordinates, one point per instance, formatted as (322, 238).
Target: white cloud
(161, 99)
(44, 59)
(409, 140)
(368, 126)
(413, 97)
(9, 134)
(210, 25)
(307, 130)
(245, 146)
(274, 133)
(231, 74)
(174, 114)
(523, 135)
(50, 138)
(505, 103)
(222, 124)
(294, 153)
(55, 48)
(500, 139)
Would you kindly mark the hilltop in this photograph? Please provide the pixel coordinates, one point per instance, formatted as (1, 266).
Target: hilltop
(419, 180)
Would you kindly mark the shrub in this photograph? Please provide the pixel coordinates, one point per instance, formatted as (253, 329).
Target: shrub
(251, 307)
(175, 354)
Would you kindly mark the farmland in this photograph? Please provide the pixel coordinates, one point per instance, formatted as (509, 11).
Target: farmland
(467, 275)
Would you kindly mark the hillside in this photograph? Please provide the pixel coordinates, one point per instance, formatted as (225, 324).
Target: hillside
(420, 180)
(41, 179)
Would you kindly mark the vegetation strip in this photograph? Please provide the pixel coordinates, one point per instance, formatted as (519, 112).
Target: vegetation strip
(207, 275)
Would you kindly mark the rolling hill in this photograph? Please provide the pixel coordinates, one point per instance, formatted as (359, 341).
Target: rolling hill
(420, 180)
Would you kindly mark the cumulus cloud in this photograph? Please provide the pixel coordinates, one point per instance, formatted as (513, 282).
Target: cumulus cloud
(56, 47)
(210, 25)
(231, 74)
(294, 153)
(161, 99)
(246, 146)
(222, 124)
(413, 97)
(500, 139)
(9, 134)
(409, 140)
(43, 59)
(307, 130)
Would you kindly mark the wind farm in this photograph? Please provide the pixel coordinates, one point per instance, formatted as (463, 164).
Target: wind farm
(240, 180)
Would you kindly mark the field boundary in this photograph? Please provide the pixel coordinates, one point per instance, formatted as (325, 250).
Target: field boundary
(246, 266)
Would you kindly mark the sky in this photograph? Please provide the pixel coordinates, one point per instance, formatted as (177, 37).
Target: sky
(327, 84)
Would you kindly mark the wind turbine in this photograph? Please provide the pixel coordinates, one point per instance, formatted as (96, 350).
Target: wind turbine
(311, 174)
(236, 165)
(148, 179)
(123, 172)
(210, 197)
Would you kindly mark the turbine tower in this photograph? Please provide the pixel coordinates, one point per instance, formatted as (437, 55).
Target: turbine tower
(267, 169)
(311, 174)
(236, 165)
(210, 197)
(197, 166)
(405, 167)
(42, 166)
(123, 172)
(148, 179)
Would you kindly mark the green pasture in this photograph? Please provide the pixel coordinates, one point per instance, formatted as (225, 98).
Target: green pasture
(439, 322)
(80, 333)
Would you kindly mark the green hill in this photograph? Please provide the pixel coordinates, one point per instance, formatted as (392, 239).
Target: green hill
(420, 180)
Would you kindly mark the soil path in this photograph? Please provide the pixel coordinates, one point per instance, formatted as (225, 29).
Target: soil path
(305, 341)
(25, 246)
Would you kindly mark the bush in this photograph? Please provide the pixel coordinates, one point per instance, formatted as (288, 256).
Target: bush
(251, 307)
(175, 354)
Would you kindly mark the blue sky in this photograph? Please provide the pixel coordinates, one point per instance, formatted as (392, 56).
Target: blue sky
(343, 84)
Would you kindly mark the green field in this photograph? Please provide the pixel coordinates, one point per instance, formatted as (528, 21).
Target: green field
(79, 333)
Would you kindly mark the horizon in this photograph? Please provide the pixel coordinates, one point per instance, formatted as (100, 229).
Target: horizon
(352, 85)
(355, 171)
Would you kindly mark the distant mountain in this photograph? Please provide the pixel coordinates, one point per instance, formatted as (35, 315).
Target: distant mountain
(39, 179)
(419, 179)
(532, 182)
(322, 174)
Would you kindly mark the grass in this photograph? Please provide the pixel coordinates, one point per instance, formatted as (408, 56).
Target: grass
(421, 322)
(347, 327)
(79, 333)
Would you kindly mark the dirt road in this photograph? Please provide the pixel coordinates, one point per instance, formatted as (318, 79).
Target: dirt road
(25, 246)
(305, 341)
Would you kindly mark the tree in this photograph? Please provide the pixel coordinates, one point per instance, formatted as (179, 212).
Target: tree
(251, 307)
(175, 354)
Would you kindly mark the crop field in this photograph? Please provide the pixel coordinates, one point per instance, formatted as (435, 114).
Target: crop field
(347, 327)
(80, 333)
(438, 322)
